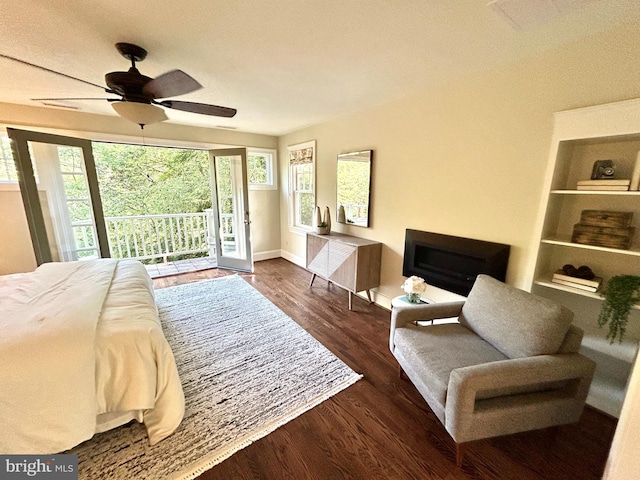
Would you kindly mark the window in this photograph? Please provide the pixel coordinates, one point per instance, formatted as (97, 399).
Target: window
(261, 169)
(7, 165)
(302, 184)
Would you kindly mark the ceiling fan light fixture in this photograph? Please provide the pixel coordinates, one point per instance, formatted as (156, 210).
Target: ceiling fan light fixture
(140, 113)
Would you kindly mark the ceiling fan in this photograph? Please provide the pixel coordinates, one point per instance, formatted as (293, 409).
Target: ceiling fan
(140, 97)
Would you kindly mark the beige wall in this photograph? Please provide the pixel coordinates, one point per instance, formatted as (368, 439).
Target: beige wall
(16, 254)
(467, 159)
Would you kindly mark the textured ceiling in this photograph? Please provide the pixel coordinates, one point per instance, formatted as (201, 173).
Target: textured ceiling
(284, 64)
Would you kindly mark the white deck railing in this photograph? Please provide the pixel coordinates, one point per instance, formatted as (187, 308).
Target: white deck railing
(356, 212)
(143, 237)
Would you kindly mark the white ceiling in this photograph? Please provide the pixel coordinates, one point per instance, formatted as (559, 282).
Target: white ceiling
(284, 64)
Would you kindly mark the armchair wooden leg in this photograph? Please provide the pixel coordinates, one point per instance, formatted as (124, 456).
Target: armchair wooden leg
(460, 449)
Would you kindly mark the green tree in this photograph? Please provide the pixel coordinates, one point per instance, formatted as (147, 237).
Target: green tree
(138, 180)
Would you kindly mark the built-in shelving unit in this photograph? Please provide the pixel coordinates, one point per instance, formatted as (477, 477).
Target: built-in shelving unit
(580, 138)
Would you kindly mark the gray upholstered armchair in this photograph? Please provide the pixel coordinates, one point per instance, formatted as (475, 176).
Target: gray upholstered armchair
(510, 363)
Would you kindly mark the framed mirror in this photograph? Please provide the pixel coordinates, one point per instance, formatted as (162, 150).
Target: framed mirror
(354, 188)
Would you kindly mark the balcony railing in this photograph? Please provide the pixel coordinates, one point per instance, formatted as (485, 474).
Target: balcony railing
(145, 237)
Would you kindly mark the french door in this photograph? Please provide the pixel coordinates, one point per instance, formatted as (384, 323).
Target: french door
(230, 205)
(60, 193)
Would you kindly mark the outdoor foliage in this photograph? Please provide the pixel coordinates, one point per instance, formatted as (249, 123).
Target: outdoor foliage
(353, 188)
(138, 180)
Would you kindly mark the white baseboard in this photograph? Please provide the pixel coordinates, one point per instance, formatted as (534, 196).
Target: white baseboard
(268, 255)
(293, 258)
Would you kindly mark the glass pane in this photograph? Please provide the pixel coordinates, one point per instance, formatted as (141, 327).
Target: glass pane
(226, 205)
(80, 211)
(306, 208)
(70, 159)
(75, 186)
(84, 236)
(7, 165)
(88, 254)
(258, 169)
(68, 213)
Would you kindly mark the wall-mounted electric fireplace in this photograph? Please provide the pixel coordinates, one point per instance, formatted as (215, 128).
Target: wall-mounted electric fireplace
(452, 263)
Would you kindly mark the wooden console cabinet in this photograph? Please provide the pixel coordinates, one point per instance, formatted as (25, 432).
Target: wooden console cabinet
(350, 262)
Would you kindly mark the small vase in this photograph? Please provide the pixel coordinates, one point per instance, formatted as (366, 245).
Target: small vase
(327, 219)
(413, 297)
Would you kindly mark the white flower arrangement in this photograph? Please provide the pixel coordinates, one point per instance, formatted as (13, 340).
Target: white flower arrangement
(414, 284)
(414, 287)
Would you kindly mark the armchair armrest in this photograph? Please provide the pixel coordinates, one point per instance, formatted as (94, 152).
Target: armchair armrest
(510, 377)
(404, 314)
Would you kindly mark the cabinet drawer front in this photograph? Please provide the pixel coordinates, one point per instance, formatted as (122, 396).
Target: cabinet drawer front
(317, 255)
(342, 264)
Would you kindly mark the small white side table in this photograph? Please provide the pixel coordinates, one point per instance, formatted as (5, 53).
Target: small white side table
(402, 300)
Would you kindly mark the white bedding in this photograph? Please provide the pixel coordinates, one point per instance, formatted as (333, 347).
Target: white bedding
(82, 350)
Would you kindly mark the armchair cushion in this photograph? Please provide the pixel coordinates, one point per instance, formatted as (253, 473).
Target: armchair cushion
(434, 351)
(515, 322)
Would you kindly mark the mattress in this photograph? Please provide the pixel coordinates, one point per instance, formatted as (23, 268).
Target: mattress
(81, 351)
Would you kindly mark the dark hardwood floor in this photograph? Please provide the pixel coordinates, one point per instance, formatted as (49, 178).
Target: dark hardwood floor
(381, 428)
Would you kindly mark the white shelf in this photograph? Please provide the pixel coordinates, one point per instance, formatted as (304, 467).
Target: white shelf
(565, 288)
(576, 291)
(580, 138)
(566, 242)
(597, 192)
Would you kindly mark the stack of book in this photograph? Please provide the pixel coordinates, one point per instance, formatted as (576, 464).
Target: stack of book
(605, 184)
(592, 285)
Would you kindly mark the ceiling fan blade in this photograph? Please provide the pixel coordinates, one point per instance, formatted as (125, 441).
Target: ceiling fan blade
(74, 98)
(201, 108)
(170, 84)
(51, 71)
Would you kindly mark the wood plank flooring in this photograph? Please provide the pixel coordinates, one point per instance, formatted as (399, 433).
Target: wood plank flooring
(381, 428)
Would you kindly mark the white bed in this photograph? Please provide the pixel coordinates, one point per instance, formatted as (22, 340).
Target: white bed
(82, 351)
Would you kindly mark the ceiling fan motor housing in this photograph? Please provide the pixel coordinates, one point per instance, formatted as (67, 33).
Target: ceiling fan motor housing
(128, 84)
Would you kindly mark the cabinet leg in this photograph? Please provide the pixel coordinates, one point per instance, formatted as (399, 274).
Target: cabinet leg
(313, 277)
(350, 301)
(369, 295)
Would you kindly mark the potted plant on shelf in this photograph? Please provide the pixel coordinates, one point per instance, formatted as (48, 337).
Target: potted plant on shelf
(621, 292)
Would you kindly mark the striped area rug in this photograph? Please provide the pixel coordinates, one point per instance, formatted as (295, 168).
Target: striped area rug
(246, 369)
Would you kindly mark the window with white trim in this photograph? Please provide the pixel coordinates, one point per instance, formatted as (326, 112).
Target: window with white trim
(261, 167)
(302, 159)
